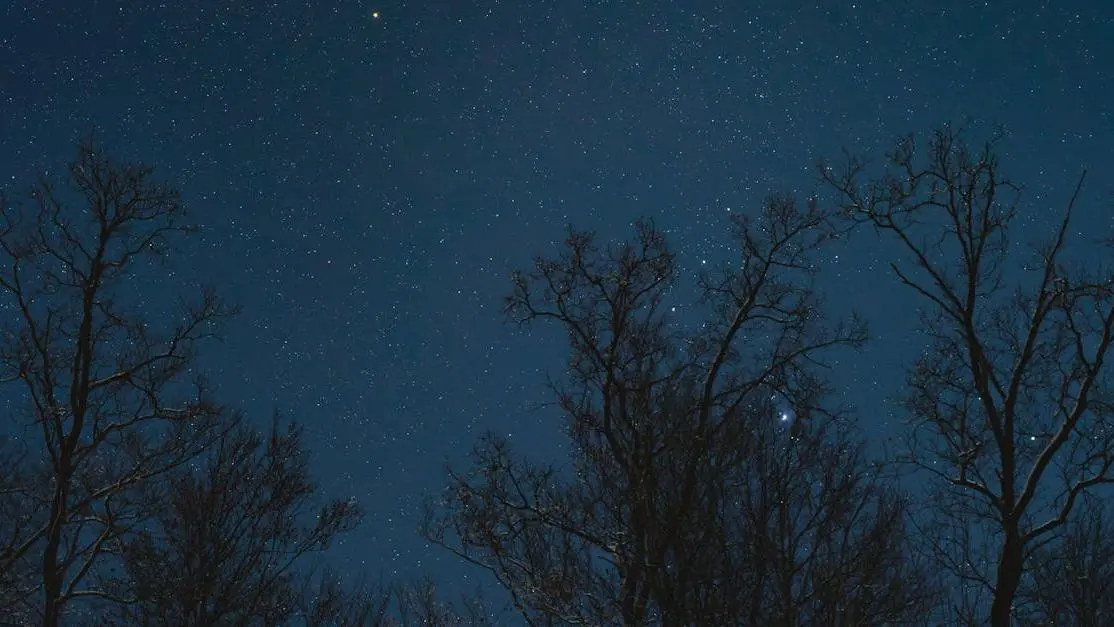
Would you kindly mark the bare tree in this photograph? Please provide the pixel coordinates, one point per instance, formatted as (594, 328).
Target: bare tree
(1009, 404)
(106, 406)
(412, 604)
(821, 532)
(418, 604)
(228, 541)
(15, 519)
(1071, 582)
(688, 501)
(325, 601)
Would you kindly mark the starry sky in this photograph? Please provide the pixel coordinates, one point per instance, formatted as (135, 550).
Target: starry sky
(368, 174)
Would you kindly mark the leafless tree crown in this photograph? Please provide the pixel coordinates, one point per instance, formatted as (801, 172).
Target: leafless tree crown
(687, 500)
(105, 390)
(1009, 404)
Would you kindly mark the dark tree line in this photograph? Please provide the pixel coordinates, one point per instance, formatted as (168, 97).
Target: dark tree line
(684, 503)
(715, 477)
(128, 495)
(689, 500)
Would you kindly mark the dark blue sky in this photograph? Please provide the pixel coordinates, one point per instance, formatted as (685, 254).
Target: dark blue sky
(367, 183)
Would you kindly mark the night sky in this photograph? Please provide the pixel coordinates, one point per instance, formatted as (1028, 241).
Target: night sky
(367, 175)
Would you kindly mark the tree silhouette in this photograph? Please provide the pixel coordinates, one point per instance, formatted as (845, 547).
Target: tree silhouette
(1071, 581)
(127, 495)
(1008, 404)
(227, 542)
(687, 499)
(104, 405)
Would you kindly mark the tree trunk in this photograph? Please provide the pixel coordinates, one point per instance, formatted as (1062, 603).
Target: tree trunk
(52, 577)
(1009, 578)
